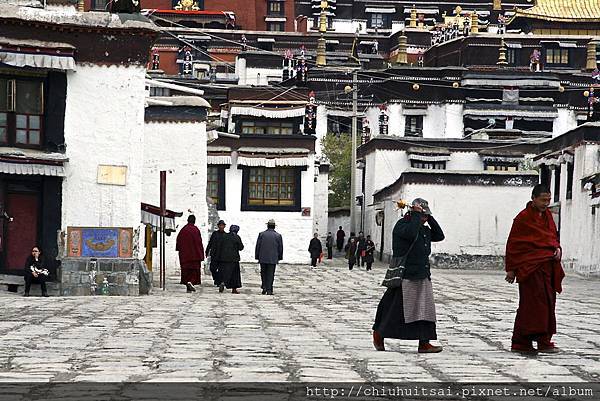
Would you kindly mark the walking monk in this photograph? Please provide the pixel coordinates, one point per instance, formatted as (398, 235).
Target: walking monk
(191, 253)
(533, 256)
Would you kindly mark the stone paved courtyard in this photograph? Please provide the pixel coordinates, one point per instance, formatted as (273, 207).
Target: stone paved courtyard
(315, 328)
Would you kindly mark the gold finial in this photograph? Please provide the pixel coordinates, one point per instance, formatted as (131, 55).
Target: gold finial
(457, 10)
(401, 56)
(502, 55)
(80, 6)
(321, 59)
(413, 17)
(474, 22)
(497, 5)
(187, 5)
(323, 17)
(591, 63)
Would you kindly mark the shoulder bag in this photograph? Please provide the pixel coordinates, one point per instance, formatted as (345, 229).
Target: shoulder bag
(395, 272)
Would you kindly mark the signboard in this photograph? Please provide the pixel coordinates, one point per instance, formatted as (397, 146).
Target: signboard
(112, 175)
(99, 242)
(306, 211)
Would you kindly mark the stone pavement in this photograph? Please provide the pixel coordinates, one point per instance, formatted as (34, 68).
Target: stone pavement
(317, 327)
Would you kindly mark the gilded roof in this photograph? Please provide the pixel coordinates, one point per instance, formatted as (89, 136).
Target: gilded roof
(563, 11)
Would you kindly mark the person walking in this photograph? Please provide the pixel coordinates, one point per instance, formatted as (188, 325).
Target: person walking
(268, 252)
(315, 249)
(229, 261)
(329, 245)
(35, 271)
(214, 250)
(191, 254)
(339, 238)
(407, 312)
(533, 255)
(369, 251)
(361, 246)
(351, 252)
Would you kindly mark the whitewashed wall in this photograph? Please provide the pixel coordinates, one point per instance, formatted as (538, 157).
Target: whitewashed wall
(180, 149)
(258, 76)
(566, 121)
(321, 204)
(580, 230)
(104, 124)
(334, 222)
(297, 230)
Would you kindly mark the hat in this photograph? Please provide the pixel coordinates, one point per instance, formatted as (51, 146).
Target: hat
(221, 222)
(271, 222)
(424, 205)
(234, 229)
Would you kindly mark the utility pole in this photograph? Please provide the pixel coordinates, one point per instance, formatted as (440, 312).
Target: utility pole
(353, 165)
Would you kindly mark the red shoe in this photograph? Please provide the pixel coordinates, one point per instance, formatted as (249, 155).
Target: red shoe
(429, 349)
(378, 341)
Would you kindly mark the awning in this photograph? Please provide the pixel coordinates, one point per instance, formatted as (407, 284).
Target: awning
(272, 157)
(532, 114)
(218, 159)
(414, 112)
(377, 10)
(267, 40)
(151, 215)
(37, 54)
(433, 151)
(275, 19)
(429, 158)
(513, 45)
(32, 169)
(284, 112)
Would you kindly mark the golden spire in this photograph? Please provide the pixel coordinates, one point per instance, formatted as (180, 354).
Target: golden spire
(401, 56)
(497, 5)
(474, 22)
(502, 55)
(413, 17)
(591, 63)
(321, 43)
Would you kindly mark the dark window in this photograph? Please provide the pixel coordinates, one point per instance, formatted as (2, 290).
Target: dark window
(570, 180)
(99, 5)
(276, 27)
(378, 20)
(215, 185)
(268, 46)
(557, 56)
(512, 56)
(413, 126)
(339, 124)
(439, 165)
(556, 183)
(271, 186)
(545, 175)
(501, 166)
(21, 112)
(267, 127)
(275, 8)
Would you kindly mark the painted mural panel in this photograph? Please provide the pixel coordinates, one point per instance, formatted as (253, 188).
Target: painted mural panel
(100, 242)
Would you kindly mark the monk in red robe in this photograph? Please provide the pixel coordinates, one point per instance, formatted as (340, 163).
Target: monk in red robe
(191, 254)
(533, 256)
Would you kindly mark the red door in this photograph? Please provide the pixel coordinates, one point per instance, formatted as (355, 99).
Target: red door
(22, 232)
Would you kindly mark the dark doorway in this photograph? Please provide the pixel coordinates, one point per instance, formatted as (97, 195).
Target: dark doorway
(22, 231)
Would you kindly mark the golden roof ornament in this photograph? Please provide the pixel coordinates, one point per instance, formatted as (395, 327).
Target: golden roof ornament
(187, 5)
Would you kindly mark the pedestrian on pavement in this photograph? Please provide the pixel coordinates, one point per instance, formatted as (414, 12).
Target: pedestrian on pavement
(407, 312)
(533, 255)
(35, 271)
(329, 245)
(361, 246)
(351, 252)
(268, 252)
(191, 254)
(370, 249)
(214, 250)
(339, 238)
(315, 249)
(229, 261)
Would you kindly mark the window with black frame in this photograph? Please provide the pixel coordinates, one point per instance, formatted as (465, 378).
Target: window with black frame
(557, 56)
(379, 20)
(100, 5)
(273, 127)
(271, 186)
(413, 126)
(275, 26)
(21, 112)
(275, 8)
(428, 165)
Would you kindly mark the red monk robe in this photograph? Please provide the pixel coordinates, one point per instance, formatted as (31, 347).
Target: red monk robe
(530, 254)
(191, 253)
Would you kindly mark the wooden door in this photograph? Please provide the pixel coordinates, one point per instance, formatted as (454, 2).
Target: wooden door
(22, 232)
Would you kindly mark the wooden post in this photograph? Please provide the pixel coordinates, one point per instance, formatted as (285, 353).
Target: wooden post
(163, 212)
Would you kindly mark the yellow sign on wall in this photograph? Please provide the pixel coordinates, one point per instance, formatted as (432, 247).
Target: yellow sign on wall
(112, 175)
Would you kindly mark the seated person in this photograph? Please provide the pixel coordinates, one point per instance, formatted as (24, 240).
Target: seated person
(35, 271)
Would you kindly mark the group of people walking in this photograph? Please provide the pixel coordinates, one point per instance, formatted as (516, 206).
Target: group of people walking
(358, 250)
(224, 251)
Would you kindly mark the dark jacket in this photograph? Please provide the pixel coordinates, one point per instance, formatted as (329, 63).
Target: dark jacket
(351, 252)
(404, 233)
(269, 247)
(370, 248)
(38, 264)
(329, 241)
(214, 244)
(231, 245)
(189, 245)
(315, 248)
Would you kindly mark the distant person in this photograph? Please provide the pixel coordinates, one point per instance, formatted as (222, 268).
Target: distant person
(339, 239)
(329, 245)
(268, 252)
(407, 312)
(315, 249)
(533, 255)
(361, 246)
(369, 251)
(229, 259)
(214, 250)
(191, 254)
(351, 250)
(35, 271)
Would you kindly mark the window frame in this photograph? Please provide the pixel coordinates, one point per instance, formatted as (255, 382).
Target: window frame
(512, 167)
(384, 19)
(11, 121)
(280, 8)
(268, 127)
(553, 56)
(220, 171)
(419, 126)
(275, 24)
(428, 165)
(249, 205)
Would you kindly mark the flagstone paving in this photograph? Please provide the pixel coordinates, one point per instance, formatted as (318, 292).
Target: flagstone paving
(317, 327)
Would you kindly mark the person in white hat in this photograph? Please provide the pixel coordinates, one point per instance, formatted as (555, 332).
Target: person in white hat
(268, 252)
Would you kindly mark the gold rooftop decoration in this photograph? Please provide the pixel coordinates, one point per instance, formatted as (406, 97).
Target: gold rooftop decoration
(321, 43)
(187, 5)
(563, 11)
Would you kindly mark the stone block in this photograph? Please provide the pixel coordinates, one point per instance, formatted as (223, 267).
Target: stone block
(112, 278)
(120, 279)
(85, 279)
(100, 278)
(133, 290)
(132, 278)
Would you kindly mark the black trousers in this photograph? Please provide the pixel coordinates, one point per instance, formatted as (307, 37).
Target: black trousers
(313, 262)
(267, 276)
(40, 279)
(329, 252)
(214, 271)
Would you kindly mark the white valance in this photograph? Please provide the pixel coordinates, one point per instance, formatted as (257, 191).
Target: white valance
(32, 169)
(275, 19)
(56, 62)
(414, 112)
(424, 158)
(502, 159)
(377, 10)
(268, 112)
(276, 162)
(154, 220)
(218, 159)
(532, 114)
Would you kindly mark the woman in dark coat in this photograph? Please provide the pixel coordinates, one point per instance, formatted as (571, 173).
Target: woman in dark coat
(315, 248)
(408, 312)
(35, 271)
(351, 250)
(369, 250)
(229, 257)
